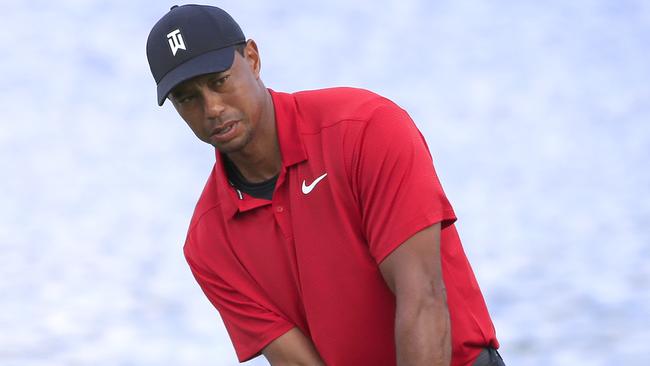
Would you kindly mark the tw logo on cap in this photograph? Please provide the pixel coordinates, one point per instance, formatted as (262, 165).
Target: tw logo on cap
(176, 42)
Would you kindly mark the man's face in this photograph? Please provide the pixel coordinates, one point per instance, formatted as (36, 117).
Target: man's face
(223, 109)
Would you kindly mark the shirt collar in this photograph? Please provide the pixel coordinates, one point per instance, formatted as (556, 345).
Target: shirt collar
(287, 120)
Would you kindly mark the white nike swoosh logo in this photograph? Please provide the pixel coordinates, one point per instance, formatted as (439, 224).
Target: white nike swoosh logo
(308, 188)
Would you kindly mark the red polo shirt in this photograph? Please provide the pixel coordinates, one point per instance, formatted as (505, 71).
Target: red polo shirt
(357, 180)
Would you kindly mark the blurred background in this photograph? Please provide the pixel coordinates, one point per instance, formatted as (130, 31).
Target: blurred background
(537, 115)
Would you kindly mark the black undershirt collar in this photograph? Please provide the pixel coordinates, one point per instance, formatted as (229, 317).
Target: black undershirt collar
(258, 190)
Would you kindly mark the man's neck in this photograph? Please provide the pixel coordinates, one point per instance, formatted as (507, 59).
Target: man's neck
(261, 160)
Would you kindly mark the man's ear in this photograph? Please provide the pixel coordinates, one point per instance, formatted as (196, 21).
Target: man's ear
(252, 56)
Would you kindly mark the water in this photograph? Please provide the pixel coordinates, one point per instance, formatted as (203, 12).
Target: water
(536, 114)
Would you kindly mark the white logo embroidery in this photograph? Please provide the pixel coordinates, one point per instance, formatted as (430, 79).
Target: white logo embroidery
(308, 188)
(176, 42)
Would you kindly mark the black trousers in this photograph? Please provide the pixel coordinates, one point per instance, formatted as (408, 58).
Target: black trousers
(489, 357)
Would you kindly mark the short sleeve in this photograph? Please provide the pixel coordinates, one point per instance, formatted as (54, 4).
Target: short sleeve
(250, 325)
(397, 186)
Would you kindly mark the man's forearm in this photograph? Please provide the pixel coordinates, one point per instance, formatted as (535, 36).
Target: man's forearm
(423, 333)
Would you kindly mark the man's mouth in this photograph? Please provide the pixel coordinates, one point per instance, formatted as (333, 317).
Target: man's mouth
(224, 128)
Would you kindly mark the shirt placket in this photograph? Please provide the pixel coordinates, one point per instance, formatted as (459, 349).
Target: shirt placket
(280, 204)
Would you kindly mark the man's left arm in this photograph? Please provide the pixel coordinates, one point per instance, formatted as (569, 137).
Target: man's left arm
(413, 272)
(403, 210)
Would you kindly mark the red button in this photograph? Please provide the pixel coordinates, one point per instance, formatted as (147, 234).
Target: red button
(279, 209)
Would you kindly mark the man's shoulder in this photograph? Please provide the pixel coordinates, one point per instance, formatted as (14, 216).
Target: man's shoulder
(341, 93)
(208, 201)
(339, 103)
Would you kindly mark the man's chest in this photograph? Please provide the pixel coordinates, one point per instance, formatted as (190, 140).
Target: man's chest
(313, 213)
(307, 240)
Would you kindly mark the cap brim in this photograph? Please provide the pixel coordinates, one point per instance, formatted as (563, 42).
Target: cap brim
(209, 62)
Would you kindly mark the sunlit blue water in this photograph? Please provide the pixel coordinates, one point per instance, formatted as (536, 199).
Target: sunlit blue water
(537, 115)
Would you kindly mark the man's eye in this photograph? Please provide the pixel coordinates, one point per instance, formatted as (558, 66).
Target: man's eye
(220, 81)
(185, 99)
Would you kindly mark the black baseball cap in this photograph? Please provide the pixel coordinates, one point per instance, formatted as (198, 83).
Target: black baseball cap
(191, 40)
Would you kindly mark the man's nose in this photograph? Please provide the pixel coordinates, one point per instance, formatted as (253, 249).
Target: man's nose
(213, 105)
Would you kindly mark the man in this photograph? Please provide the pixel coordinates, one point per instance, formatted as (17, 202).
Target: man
(322, 236)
